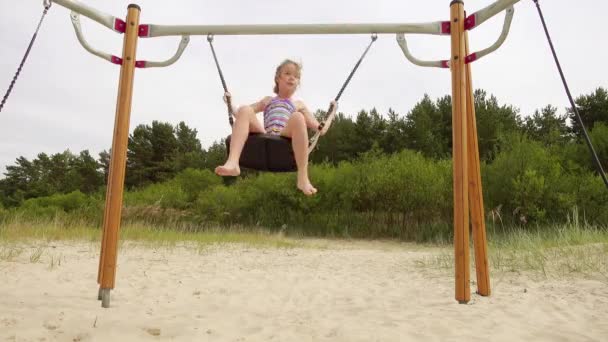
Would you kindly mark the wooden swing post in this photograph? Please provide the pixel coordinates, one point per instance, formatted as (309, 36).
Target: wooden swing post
(478, 223)
(118, 160)
(459, 152)
(466, 166)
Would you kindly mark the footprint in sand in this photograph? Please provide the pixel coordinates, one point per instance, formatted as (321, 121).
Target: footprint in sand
(50, 326)
(7, 322)
(81, 337)
(153, 331)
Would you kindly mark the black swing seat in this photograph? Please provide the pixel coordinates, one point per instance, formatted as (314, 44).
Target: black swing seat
(266, 152)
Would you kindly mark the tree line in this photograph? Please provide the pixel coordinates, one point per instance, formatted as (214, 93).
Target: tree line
(159, 151)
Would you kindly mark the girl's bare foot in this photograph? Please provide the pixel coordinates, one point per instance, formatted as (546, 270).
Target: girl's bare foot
(306, 187)
(228, 169)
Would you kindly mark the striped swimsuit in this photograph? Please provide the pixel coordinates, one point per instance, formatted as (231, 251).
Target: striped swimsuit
(276, 115)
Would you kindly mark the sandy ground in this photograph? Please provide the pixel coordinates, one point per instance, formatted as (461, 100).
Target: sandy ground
(367, 291)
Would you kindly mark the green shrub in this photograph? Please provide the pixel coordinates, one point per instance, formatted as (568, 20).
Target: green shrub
(167, 194)
(74, 206)
(376, 196)
(66, 202)
(592, 199)
(180, 192)
(192, 182)
(529, 183)
(404, 196)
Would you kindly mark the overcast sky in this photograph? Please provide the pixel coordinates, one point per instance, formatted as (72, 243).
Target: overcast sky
(65, 97)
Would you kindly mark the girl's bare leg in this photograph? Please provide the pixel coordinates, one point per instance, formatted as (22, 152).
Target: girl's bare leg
(245, 122)
(296, 130)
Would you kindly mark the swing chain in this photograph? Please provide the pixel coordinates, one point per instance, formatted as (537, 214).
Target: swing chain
(315, 138)
(47, 4)
(596, 159)
(227, 97)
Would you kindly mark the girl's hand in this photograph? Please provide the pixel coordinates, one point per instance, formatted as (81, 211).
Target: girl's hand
(330, 117)
(226, 96)
(334, 106)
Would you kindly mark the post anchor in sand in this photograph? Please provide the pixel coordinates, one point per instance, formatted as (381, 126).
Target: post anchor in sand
(104, 296)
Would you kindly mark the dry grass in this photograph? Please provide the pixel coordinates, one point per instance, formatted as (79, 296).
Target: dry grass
(16, 233)
(561, 252)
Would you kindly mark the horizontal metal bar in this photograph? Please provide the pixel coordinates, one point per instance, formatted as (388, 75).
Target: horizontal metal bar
(178, 30)
(435, 28)
(347, 28)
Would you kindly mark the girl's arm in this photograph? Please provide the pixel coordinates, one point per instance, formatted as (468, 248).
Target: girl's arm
(261, 105)
(257, 106)
(311, 122)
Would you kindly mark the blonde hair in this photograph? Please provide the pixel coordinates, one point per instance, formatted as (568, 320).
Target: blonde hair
(280, 68)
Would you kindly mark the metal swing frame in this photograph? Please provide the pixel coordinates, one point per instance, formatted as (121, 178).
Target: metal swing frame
(467, 180)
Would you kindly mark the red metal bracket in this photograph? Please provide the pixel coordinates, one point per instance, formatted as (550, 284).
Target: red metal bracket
(470, 58)
(120, 25)
(144, 30)
(469, 23)
(118, 61)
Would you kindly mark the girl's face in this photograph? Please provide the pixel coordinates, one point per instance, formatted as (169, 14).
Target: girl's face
(288, 79)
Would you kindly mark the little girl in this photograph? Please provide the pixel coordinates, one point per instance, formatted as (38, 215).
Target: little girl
(282, 116)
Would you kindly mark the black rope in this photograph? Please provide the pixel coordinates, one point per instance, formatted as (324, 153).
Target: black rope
(219, 70)
(374, 38)
(47, 5)
(598, 165)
